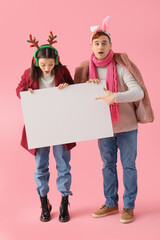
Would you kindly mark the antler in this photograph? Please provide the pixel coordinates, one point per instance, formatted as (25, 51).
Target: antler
(33, 41)
(51, 38)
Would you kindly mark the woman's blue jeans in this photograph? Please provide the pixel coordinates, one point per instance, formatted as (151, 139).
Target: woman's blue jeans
(62, 157)
(126, 142)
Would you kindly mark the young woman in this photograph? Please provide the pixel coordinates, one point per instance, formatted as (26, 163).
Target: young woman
(46, 71)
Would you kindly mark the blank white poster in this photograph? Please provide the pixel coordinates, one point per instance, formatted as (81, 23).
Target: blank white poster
(54, 116)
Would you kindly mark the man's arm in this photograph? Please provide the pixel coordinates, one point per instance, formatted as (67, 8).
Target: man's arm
(134, 92)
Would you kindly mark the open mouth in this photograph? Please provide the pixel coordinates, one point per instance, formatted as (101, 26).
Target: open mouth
(100, 53)
(46, 72)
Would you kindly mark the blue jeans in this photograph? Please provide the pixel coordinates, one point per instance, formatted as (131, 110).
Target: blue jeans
(127, 144)
(41, 176)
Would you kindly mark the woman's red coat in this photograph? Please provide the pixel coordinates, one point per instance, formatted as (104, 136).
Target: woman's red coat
(62, 76)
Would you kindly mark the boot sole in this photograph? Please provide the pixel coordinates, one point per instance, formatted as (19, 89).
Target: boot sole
(46, 220)
(104, 215)
(64, 220)
(126, 221)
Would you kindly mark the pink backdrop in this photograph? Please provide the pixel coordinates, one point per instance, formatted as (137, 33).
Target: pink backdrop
(135, 30)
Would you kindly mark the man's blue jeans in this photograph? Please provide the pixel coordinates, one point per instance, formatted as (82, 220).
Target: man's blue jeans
(127, 144)
(62, 157)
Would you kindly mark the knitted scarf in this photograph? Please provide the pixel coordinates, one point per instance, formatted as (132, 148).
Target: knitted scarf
(111, 78)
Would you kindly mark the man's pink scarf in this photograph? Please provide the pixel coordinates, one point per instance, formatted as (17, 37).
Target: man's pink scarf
(111, 78)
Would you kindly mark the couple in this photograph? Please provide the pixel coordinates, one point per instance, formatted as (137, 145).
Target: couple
(129, 104)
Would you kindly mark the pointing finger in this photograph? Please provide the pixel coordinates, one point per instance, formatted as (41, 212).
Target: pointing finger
(97, 98)
(105, 89)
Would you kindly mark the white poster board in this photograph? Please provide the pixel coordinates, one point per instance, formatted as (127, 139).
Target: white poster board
(54, 116)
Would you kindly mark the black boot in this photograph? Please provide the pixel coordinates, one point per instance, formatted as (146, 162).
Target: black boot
(64, 214)
(46, 208)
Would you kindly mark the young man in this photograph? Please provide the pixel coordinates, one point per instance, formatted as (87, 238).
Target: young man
(129, 104)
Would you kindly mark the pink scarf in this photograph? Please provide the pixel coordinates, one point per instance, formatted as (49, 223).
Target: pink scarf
(111, 79)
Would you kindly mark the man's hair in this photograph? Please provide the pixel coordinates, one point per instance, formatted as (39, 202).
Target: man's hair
(100, 33)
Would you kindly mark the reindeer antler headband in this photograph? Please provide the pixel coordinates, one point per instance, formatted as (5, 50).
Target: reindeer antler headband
(35, 44)
(104, 28)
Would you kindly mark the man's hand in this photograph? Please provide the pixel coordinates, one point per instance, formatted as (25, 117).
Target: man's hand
(96, 81)
(109, 98)
(62, 85)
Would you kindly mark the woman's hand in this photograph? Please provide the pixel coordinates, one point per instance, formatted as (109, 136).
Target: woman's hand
(96, 81)
(30, 90)
(109, 98)
(62, 85)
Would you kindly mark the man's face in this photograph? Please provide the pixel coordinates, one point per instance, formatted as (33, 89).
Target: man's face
(101, 47)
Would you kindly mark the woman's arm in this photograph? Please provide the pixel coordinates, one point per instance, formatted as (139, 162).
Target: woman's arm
(67, 76)
(23, 84)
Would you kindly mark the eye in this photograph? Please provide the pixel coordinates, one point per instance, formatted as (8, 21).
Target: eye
(104, 44)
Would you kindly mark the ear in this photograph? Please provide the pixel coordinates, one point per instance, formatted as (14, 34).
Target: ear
(91, 46)
(106, 23)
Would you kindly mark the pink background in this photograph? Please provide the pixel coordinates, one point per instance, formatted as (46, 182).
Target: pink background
(135, 30)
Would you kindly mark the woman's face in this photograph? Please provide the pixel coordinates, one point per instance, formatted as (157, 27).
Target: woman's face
(46, 65)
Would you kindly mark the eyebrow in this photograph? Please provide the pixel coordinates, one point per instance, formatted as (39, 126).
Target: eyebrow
(99, 41)
(45, 63)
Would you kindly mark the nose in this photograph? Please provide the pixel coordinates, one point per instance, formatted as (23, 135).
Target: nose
(100, 46)
(46, 68)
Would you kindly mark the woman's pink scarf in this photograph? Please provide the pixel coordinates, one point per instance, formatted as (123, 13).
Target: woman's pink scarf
(111, 79)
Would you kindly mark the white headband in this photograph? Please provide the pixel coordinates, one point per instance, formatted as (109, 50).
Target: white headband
(104, 28)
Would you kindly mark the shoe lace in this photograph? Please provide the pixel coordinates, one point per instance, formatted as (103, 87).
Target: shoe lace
(127, 210)
(44, 205)
(65, 204)
(103, 206)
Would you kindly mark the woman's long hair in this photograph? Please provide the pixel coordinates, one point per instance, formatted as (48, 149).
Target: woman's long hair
(36, 72)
